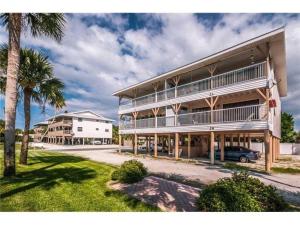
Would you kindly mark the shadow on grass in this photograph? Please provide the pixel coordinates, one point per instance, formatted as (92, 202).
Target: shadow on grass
(55, 159)
(129, 201)
(46, 178)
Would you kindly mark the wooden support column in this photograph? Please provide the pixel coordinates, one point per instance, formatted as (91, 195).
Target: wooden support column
(239, 140)
(271, 149)
(176, 108)
(176, 146)
(169, 143)
(244, 140)
(147, 144)
(135, 114)
(249, 141)
(189, 145)
(278, 149)
(222, 147)
(176, 80)
(274, 146)
(231, 140)
(155, 145)
(120, 143)
(155, 112)
(135, 144)
(267, 151)
(212, 147)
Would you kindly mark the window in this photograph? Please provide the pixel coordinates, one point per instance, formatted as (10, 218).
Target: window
(79, 129)
(79, 119)
(97, 128)
(106, 130)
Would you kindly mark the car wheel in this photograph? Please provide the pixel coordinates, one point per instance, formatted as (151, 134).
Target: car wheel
(243, 159)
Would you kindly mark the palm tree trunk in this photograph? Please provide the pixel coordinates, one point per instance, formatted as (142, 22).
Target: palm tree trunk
(14, 29)
(25, 140)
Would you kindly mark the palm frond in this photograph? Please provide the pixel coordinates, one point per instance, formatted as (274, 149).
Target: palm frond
(48, 24)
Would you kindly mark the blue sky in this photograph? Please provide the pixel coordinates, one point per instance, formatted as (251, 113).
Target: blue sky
(101, 53)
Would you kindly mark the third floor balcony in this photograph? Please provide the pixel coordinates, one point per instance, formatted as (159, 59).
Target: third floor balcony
(233, 77)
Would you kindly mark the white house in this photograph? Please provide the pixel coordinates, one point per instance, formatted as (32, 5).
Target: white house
(82, 127)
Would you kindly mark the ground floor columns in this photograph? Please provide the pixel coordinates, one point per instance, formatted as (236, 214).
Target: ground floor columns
(169, 143)
(176, 146)
(212, 147)
(274, 149)
(135, 144)
(222, 147)
(155, 145)
(147, 144)
(189, 145)
(120, 143)
(249, 141)
(267, 151)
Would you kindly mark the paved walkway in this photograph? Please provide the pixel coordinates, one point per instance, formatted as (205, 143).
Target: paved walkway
(289, 185)
(167, 195)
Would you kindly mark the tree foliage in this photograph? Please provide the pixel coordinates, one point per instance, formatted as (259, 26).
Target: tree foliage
(288, 133)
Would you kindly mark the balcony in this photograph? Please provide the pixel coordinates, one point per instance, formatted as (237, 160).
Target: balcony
(230, 115)
(249, 73)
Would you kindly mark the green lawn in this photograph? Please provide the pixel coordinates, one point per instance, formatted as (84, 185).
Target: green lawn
(58, 182)
(287, 170)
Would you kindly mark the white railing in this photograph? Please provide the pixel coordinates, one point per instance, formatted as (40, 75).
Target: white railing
(142, 123)
(238, 114)
(244, 74)
(193, 118)
(246, 113)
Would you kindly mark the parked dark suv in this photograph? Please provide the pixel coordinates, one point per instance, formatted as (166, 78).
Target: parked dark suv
(237, 153)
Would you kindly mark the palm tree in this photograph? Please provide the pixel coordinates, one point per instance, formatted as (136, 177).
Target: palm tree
(36, 82)
(39, 24)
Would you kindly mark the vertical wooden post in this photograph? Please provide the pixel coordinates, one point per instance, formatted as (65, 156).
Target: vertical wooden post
(155, 145)
(278, 149)
(135, 144)
(274, 149)
(267, 151)
(239, 140)
(120, 143)
(244, 140)
(222, 147)
(169, 143)
(176, 146)
(212, 147)
(249, 141)
(231, 140)
(189, 145)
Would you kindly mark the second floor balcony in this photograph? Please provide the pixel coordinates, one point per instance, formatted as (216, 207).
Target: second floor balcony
(245, 74)
(230, 115)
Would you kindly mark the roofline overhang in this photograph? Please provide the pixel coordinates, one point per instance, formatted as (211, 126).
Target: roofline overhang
(212, 57)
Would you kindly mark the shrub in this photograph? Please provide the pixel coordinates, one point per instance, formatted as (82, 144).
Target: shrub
(241, 193)
(130, 172)
(115, 175)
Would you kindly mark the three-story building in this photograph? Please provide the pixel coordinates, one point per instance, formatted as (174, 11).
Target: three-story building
(228, 98)
(74, 128)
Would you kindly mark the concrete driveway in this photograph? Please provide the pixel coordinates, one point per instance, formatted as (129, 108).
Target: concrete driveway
(289, 185)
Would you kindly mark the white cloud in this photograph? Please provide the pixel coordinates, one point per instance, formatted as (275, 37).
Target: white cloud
(91, 63)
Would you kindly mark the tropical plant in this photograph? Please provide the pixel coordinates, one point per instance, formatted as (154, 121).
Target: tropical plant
(36, 82)
(288, 134)
(131, 171)
(39, 24)
(115, 134)
(240, 193)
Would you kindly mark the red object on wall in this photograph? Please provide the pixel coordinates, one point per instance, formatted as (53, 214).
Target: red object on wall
(272, 103)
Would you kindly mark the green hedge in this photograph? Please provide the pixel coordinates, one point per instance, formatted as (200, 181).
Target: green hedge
(241, 193)
(130, 172)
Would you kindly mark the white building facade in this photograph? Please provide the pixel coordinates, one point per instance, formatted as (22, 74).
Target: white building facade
(227, 98)
(79, 128)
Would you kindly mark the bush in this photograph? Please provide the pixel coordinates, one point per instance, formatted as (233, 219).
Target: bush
(130, 172)
(115, 175)
(241, 193)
